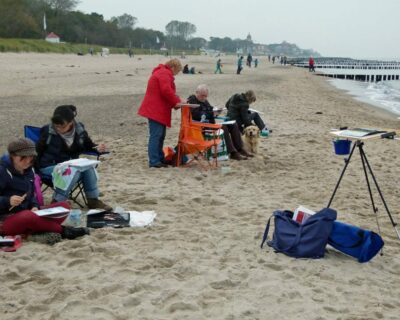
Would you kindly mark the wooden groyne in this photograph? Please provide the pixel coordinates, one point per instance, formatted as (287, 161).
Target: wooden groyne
(360, 70)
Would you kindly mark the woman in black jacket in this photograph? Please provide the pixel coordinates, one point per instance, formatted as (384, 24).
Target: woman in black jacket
(238, 109)
(65, 139)
(17, 196)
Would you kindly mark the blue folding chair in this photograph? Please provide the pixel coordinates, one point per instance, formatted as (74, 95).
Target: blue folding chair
(33, 133)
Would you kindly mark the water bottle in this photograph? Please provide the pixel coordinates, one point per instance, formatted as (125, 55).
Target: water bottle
(265, 133)
(74, 218)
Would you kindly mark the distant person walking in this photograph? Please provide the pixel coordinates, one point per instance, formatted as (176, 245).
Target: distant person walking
(218, 66)
(239, 65)
(157, 105)
(311, 65)
(255, 63)
(249, 60)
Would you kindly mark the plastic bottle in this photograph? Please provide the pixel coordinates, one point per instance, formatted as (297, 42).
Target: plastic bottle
(75, 218)
(265, 133)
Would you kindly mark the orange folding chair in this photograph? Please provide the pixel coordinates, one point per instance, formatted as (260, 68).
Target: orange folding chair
(191, 140)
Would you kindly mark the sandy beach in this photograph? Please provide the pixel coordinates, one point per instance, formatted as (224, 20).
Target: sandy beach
(201, 259)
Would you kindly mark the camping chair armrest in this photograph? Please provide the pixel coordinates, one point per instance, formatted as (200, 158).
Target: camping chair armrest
(95, 153)
(206, 125)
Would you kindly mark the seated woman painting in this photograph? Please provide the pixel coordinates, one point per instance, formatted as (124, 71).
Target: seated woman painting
(232, 135)
(17, 197)
(238, 109)
(65, 139)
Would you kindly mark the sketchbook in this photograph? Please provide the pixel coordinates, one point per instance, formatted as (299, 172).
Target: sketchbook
(254, 110)
(54, 212)
(359, 132)
(81, 163)
(190, 105)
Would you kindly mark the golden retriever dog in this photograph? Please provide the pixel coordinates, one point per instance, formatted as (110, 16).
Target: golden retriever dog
(251, 137)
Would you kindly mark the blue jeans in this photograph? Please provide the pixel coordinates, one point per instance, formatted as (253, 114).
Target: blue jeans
(157, 133)
(89, 179)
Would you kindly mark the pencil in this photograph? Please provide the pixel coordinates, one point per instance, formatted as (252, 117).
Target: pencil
(24, 196)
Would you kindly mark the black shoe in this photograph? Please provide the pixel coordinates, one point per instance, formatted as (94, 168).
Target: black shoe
(245, 153)
(159, 165)
(73, 233)
(236, 156)
(167, 162)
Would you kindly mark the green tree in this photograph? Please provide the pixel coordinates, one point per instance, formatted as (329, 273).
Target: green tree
(16, 20)
(125, 21)
(62, 5)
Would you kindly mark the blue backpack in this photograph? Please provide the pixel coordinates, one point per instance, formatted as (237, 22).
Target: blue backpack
(354, 241)
(307, 240)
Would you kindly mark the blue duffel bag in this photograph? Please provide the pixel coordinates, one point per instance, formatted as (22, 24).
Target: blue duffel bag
(307, 240)
(354, 241)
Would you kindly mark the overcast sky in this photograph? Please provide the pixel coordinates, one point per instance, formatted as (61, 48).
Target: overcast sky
(346, 28)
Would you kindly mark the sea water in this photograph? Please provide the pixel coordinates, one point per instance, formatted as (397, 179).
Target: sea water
(383, 94)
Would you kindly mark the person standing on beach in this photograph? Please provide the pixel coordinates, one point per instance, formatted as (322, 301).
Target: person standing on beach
(239, 65)
(159, 100)
(238, 109)
(218, 67)
(249, 60)
(311, 63)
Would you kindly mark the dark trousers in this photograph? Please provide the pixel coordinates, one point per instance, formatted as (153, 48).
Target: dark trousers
(256, 118)
(233, 138)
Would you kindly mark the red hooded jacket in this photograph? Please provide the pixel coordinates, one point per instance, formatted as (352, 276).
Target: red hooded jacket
(160, 96)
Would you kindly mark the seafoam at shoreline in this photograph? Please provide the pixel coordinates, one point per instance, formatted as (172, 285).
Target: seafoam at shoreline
(384, 95)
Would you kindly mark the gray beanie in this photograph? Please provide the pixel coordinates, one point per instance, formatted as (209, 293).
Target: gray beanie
(22, 147)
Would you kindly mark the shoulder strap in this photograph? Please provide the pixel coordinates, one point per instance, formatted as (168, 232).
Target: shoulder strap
(266, 231)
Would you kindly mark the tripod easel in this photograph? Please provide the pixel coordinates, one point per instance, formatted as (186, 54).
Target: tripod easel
(367, 170)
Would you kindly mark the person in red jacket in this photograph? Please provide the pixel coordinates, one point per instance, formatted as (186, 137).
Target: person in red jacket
(157, 106)
(311, 63)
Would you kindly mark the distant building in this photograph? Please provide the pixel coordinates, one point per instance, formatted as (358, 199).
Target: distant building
(53, 38)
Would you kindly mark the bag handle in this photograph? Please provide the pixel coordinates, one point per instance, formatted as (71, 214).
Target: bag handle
(266, 231)
(295, 242)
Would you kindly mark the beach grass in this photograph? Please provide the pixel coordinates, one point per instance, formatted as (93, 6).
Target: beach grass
(42, 46)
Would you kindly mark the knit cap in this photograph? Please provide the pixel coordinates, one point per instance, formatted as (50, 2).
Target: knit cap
(22, 147)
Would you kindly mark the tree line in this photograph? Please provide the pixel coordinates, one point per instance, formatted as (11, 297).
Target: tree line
(28, 18)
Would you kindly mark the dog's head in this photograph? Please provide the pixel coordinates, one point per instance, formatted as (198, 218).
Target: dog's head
(251, 131)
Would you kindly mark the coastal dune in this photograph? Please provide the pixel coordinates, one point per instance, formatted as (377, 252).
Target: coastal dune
(201, 259)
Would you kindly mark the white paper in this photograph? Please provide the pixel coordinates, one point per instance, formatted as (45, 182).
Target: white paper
(190, 105)
(141, 219)
(81, 162)
(51, 211)
(305, 212)
(254, 110)
(94, 211)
